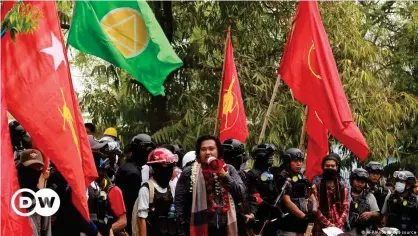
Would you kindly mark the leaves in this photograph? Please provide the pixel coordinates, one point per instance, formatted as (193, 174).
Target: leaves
(22, 18)
(374, 69)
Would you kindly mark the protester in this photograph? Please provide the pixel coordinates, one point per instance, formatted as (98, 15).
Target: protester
(29, 171)
(155, 207)
(130, 175)
(400, 209)
(105, 200)
(188, 159)
(331, 193)
(90, 128)
(375, 170)
(177, 150)
(262, 190)
(298, 199)
(207, 189)
(364, 212)
(235, 155)
(20, 139)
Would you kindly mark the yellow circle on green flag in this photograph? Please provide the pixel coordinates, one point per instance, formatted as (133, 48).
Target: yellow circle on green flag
(127, 30)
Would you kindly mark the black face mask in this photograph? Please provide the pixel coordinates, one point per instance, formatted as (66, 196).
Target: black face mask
(162, 175)
(330, 174)
(140, 156)
(28, 177)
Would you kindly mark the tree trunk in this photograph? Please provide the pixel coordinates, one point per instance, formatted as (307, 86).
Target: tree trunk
(158, 114)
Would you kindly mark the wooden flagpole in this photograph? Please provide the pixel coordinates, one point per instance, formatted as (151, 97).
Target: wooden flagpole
(266, 117)
(303, 134)
(222, 82)
(71, 21)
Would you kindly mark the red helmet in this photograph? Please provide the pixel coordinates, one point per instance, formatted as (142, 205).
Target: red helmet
(162, 155)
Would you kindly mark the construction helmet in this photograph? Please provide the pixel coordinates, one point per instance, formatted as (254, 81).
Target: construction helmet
(163, 156)
(111, 132)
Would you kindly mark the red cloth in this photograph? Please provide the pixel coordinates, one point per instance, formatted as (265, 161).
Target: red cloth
(334, 217)
(116, 201)
(231, 109)
(41, 97)
(317, 145)
(309, 69)
(11, 223)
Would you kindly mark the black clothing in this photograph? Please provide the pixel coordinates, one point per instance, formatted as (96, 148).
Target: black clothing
(128, 178)
(359, 205)
(299, 190)
(68, 221)
(159, 222)
(402, 212)
(379, 193)
(268, 192)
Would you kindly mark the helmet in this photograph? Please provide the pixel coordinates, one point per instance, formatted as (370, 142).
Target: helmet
(263, 150)
(16, 130)
(111, 132)
(233, 146)
(189, 157)
(143, 141)
(359, 173)
(174, 148)
(292, 154)
(374, 166)
(162, 155)
(405, 176)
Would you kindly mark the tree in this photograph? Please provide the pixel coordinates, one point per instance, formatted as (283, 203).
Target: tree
(259, 31)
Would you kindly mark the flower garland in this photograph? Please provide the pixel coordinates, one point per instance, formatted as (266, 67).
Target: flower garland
(193, 176)
(212, 183)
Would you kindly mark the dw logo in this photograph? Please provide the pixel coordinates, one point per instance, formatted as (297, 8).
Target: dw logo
(45, 202)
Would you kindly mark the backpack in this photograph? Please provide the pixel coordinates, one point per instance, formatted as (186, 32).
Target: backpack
(134, 222)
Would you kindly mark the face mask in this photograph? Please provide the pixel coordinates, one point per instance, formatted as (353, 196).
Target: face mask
(399, 187)
(28, 177)
(140, 156)
(162, 175)
(330, 174)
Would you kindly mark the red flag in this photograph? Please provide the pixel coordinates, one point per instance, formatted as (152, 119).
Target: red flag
(309, 69)
(11, 223)
(317, 145)
(40, 96)
(231, 109)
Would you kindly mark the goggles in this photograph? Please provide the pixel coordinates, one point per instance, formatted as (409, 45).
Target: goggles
(297, 156)
(166, 158)
(361, 174)
(376, 168)
(400, 175)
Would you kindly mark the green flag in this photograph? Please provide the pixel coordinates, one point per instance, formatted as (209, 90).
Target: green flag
(126, 34)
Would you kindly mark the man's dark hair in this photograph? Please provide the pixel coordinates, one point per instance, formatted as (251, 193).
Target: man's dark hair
(209, 137)
(91, 127)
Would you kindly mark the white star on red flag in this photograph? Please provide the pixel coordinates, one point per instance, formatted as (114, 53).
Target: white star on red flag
(56, 51)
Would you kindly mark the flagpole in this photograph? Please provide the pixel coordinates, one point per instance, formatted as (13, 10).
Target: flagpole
(303, 134)
(222, 82)
(266, 117)
(71, 21)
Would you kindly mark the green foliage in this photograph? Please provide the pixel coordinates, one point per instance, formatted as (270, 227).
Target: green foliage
(380, 106)
(22, 18)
